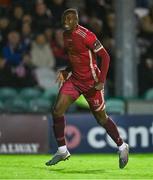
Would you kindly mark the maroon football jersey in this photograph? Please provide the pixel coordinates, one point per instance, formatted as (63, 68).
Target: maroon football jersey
(82, 45)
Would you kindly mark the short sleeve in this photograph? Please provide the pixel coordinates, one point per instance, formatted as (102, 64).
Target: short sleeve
(92, 42)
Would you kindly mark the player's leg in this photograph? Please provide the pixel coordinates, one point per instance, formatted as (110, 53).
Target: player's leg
(97, 105)
(105, 121)
(62, 104)
(111, 128)
(66, 97)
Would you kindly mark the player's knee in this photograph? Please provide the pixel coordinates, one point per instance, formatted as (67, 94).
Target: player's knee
(101, 117)
(57, 112)
(105, 118)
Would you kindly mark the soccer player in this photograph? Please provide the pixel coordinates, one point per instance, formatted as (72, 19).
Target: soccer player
(82, 76)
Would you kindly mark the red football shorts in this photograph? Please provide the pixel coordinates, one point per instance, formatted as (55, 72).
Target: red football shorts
(75, 89)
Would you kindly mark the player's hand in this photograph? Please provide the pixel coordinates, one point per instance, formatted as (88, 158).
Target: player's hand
(99, 86)
(62, 76)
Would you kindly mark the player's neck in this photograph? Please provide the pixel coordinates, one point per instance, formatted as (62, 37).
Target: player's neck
(74, 28)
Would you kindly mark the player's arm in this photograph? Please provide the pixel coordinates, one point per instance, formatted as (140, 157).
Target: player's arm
(93, 43)
(105, 60)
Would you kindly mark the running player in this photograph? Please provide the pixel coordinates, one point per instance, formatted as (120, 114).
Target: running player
(86, 78)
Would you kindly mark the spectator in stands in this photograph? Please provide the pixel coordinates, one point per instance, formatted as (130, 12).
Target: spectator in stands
(42, 16)
(57, 7)
(84, 18)
(16, 17)
(58, 49)
(109, 44)
(145, 74)
(49, 34)
(145, 40)
(4, 28)
(147, 24)
(26, 4)
(97, 8)
(96, 25)
(15, 66)
(14, 51)
(43, 60)
(5, 78)
(26, 35)
(5, 3)
(27, 18)
(41, 53)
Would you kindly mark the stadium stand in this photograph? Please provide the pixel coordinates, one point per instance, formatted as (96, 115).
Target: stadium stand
(39, 105)
(149, 94)
(51, 92)
(7, 93)
(1, 107)
(115, 106)
(22, 22)
(30, 93)
(17, 105)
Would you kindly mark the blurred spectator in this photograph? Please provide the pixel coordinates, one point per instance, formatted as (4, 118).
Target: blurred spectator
(110, 25)
(145, 38)
(42, 16)
(109, 44)
(83, 17)
(4, 28)
(42, 19)
(57, 8)
(18, 77)
(147, 25)
(5, 3)
(26, 4)
(49, 34)
(15, 69)
(58, 49)
(16, 17)
(26, 35)
(96, 26)
(97, 8)
(27, 18)
(145, 75)
(43, 60)
(41, 54)
(13, 51)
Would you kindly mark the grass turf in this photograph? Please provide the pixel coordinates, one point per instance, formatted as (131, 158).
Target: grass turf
(91, 166)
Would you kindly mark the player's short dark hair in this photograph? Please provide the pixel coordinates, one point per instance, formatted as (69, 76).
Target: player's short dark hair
(70, 10)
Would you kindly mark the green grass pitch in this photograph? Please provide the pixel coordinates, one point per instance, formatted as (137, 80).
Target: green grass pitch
(91, 166)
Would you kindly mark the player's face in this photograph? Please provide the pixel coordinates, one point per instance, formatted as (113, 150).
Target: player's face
(70, 21)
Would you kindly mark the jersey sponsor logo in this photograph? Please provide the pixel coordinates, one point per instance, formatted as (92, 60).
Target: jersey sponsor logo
(97, 45)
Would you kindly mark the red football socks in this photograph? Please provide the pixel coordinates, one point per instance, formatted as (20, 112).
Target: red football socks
(112, 130)
(58, 127)
(110, 126)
